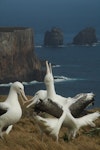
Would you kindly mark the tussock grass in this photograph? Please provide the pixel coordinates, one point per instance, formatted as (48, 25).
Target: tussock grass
(25, 135)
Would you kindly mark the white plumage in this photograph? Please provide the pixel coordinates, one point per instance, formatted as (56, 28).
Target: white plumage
(51, 93)
(41, 94)
(53, 125)
(50, 126)
(74, 124)
(10, 109)
(44, 94)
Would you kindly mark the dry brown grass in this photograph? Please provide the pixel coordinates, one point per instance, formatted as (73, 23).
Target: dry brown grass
(25, 136)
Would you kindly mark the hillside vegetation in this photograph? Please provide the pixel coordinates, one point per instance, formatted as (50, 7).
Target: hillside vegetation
(25, 135)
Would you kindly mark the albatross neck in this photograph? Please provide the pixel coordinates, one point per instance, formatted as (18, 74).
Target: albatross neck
(12, 96)
(50, 90)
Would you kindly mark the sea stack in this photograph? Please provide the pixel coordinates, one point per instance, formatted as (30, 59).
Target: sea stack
(53, 37)
(86, 36)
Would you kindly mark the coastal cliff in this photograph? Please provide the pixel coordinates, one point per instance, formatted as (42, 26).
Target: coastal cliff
(17, 57)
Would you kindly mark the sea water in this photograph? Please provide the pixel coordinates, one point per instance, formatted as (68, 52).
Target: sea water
(76, 69)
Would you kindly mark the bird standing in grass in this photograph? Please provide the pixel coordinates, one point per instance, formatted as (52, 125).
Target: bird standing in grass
(53, 125)
(50, 126)
(10, 109)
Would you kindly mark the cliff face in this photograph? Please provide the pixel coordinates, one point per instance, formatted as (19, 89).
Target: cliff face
(85, 36)
(17, 58)
(53, 37)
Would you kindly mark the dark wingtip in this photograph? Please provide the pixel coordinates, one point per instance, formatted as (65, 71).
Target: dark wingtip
(93, 100)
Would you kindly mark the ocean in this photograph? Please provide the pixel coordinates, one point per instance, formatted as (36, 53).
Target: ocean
(76, 70)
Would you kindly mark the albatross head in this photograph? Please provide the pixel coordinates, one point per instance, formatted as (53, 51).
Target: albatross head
(49, 76)
(41, 94)
(19, 88)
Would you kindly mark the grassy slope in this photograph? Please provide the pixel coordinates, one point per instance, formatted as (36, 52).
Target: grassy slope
(25, 136)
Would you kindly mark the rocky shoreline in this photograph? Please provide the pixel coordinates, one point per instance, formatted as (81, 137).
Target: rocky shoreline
(18, 60)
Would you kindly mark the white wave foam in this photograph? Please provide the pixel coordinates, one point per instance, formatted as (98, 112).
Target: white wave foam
(31, 82)
(5, 84)
(62, 79)
(24, 83)
(38, 46)
(55, 66)
(56, 79)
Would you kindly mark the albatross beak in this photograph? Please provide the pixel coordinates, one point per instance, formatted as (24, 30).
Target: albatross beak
(34, 101)
(23, 97)
(47, 68)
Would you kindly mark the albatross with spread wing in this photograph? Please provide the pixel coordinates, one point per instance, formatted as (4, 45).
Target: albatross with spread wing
(73, 124)
(79, 102)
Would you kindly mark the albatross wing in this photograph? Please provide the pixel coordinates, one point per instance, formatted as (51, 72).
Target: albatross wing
(3, 109)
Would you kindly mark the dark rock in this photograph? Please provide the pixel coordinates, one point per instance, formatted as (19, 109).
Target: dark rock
(53, 37)
(86, 36)
(17, 57)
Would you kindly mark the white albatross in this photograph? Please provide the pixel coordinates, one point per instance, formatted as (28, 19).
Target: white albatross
(50, 90)
(51, 93)
(50, 126)
(73, 124)
(10, 109)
